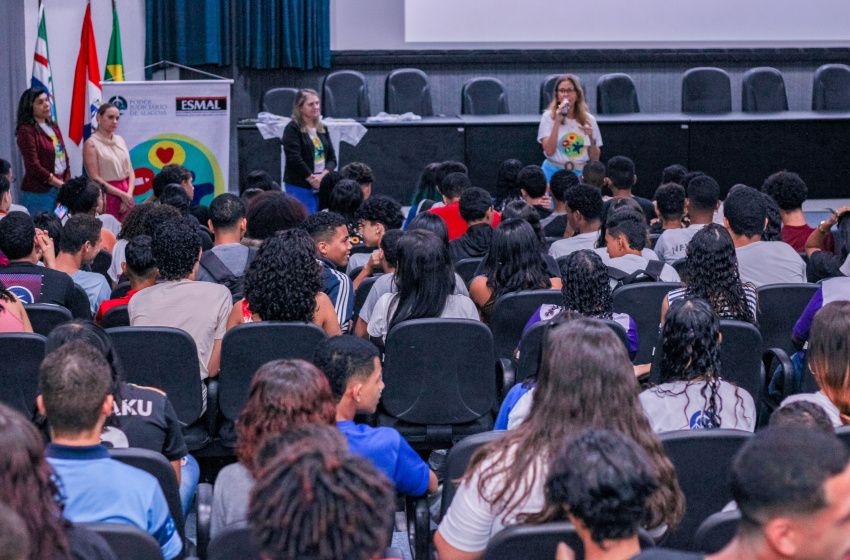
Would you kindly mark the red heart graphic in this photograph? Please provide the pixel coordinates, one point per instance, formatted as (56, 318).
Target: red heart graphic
(165, 154)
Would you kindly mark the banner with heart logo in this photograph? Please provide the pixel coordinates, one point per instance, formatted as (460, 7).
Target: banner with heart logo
(183, 122)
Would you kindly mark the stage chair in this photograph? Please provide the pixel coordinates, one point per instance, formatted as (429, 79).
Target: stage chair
(642, 302)
(780, 305)
(278, 101)
(128, 542)
(717, 531)
(706, 91)
(44, 317)
(408, 90)
(22, 356)
(511, 312)
(540, 542)
(484, 96)
(831, 88)
(616, 94)
(345, 95)
(117, 316)
(547, 90)
(763, 91)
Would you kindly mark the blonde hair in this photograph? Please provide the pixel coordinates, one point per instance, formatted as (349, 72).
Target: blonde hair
(580, 110)
(300, 99)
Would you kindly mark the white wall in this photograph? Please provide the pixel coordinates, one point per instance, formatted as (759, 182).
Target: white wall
(64, 25)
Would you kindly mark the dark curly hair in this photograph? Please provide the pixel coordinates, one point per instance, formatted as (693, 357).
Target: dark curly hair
(283, 279)
(283, 393)
(773, 229)
(604, 479)
(134, 223)
(359, 172)
(322, 504)
(176, 247)
(155, 217)
(586, 287)
(174, 195)
(670, 198)
(381, 210)
(507, 188)
(787, 189)
(514, 262)
(711, 273)
(79, 195)
(273, 211)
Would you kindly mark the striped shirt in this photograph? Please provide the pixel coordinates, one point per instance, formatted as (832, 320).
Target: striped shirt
(338, 287)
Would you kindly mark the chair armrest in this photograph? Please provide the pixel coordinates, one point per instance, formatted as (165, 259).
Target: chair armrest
(778, 357)
(505, 377)
(212, 407)
(203, 501)
(419, 527)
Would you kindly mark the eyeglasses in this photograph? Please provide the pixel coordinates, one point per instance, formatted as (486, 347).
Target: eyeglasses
(566, 91)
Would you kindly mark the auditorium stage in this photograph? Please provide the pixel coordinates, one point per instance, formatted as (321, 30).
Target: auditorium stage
(733, 148)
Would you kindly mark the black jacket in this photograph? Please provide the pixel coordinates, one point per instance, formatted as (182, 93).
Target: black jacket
(473, 244)
(298, 148)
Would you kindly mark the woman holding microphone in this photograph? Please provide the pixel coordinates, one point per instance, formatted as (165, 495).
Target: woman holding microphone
(308, 150)
(568, 132)
(107, 162)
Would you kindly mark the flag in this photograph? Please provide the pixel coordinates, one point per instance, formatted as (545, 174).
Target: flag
(87, 92)
(42, 77)
(114, 60)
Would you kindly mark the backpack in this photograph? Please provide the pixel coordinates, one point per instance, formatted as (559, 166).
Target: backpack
(223, 275)
(652, 273)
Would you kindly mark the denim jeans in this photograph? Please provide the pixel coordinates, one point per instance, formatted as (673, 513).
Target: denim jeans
(190, 474)
(35, 203)
(306, 197)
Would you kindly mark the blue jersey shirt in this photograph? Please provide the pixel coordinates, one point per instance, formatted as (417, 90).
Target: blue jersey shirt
(338, 287)
(390, 453)
(98, 489)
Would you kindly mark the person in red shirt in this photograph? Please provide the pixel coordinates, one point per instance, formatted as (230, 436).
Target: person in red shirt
(790, 192)
(139, 267)
(451, 187)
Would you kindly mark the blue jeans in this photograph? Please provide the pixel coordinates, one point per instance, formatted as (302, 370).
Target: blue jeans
(190, 475)
(35, 203)
(550, 169)
(306, 197)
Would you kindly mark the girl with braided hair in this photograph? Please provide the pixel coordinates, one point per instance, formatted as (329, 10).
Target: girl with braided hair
(691, 394)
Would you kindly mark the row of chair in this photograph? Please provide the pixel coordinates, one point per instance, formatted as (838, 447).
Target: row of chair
(705, 90)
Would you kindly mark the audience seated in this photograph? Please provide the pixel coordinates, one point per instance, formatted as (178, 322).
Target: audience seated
(790, 192)
(345, 200)
(521, 210)
(625, 237)
(326, 187)
(377, 215)
(426, 192)
(451, 188)
(353, 369)
(331, 235)
(825, 263)
(13, 316)
(78, 246)
(284, 283)
(759, 262)
(593, 174)
(175, 196)
(83, 196)
(476, 209)
(532, 184)
(609, 207)
(583, 211)
(507, 189)
(670, 206)
(5, 196)
(139, 267)
(773, 229)
(270, 212)
(362, 174)
(692, 394)
(620, 178)
(703, 199)
(284, 394)
(228, 260)
(75, 386)
(586, 381)
(134, 225)
(801, 414)
(199, 308)
(172, 174)
(555, 225)
(25, 247)
(30, 489)
(674, 174)
(258, 179)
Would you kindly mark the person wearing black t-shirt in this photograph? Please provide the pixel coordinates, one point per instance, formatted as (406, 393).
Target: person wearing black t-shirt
(620, 178)
(476, 209)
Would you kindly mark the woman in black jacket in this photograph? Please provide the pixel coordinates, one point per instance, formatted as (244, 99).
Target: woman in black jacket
(308, 149)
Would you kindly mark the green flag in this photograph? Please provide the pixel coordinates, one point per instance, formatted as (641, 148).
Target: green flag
(114, 60)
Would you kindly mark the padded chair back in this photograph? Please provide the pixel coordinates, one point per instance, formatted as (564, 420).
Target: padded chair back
(547, 90)
(278, 101)
(164, 358)
(120, 290)
(780, 305)
(128, 542)
(540, 542)
(843, 433)
(466, 268)
(102, 262)
(831, 88)
(44, 317)
(484, 96)
(763, 91)
(511, 312)
(439, 371)
(22, 356)
(117, 316)
(408, 90)
(706, 91)
(702, 459)
(248, 346)
(360, 295)
(234, 541)
(82, 297)
(345, 95)
(157, 465)
(457, 461)
(642, 302)
(532, 347)
(616, 94)
(717, 531)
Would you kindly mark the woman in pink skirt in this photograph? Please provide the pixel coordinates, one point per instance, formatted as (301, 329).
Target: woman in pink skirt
(107, 161)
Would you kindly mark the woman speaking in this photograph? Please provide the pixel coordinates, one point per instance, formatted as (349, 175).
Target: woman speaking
(308, 150)
(569, 134)
(107, 162)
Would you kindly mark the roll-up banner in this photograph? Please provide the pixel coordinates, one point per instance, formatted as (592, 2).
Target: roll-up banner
(185, 122)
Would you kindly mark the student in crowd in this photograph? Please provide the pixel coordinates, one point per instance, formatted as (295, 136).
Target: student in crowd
(284, 283)
(759, 262)
(513, 264)
(345, 200)
(674, 174)
(823, 262)
(790, 192)
(175, 196)
(377, 215)
(711, 273)
(50, 224)
(302, 505)
(431, 222)
(30, 488)
(5, 196)
(139, 267)
(703, 200)
(593, 174)
(353, 369)
(451, 188)
(81, 195)
(625, 238)
(326, 187)
(801, 414)
(172, 174)
(586, 381)
(601, 481)
(75, 386)
(13, 316)
(426, 192)
(584, 212)
(8, 173)
(620, 178)
(133, 226)
(333, 247)
(608, 208)
(79, 245)
(284, 394)
(532, 184)
(555, 225)
(270, 212)
(507, 189)
(199, 308)
(426, 287)
(692, 394)
(362, 174)
(670, 207)
(792, 487)
(25, 246)
(258, 179)
(476, 209)
(228, 260)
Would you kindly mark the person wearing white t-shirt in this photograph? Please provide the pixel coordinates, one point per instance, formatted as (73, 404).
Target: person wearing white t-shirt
(759, 262)
(702, 200)
(625, 237)
(568, 132)
(584, 213)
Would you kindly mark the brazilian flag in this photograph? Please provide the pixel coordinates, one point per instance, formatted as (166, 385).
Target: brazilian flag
(114, 60)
